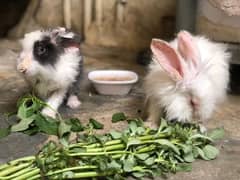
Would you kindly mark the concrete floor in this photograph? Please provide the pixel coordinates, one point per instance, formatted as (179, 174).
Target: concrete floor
(12, 86)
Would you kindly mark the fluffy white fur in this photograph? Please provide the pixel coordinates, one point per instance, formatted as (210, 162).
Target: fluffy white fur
(73, 102)
(208, 88)
(50, 83)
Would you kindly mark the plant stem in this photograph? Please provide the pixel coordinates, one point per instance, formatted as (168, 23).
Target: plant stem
(38, 176)
(144, 140)
(71, 169)
(77, 145)
(13, 169)
(11, 163)
(108, 148)
(117, 156)
(108, 143)
(28, 158)
(19, 173)
(119, 141)
(112, 142)
(88, 174)
(151, 137)
(147, 149)
(4, 166)
(97, 153)
(27, 175)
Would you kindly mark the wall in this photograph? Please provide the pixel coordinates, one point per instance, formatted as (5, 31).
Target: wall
(134, 26)
(220, 24)
(129, 24)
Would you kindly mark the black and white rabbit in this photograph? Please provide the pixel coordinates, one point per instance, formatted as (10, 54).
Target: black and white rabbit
(187, 78)
(51, 62)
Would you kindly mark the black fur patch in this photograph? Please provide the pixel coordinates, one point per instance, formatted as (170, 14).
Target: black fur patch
(45, 52)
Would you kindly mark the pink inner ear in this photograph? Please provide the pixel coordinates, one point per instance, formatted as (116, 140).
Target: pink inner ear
(187, 47)
(167, 57)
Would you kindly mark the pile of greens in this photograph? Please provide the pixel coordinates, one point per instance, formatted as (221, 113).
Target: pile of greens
(30, 120)
(137, 151)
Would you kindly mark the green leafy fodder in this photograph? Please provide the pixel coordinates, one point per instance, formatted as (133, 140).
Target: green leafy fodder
(136, 151)
(30, 120)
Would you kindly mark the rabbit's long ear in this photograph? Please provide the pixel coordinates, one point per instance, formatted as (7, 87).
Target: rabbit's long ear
(71, 40)
(188, 48)
(167, 57)
(65, 38)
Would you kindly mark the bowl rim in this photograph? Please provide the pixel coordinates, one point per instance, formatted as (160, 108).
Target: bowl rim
(112, 82)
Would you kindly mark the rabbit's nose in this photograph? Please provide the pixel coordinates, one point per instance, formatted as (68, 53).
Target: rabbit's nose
(24, 65)
(21, 69)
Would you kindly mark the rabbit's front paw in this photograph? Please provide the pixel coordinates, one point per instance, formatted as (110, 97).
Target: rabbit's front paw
(73, 102)
(48, 112)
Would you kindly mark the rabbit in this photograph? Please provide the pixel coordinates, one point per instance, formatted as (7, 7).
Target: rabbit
(51, 62)
(187, 78)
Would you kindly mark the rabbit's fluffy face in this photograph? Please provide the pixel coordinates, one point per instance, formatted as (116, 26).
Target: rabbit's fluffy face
(39, 53)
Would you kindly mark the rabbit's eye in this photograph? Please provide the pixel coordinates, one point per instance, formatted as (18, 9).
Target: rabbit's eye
(41, 50)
